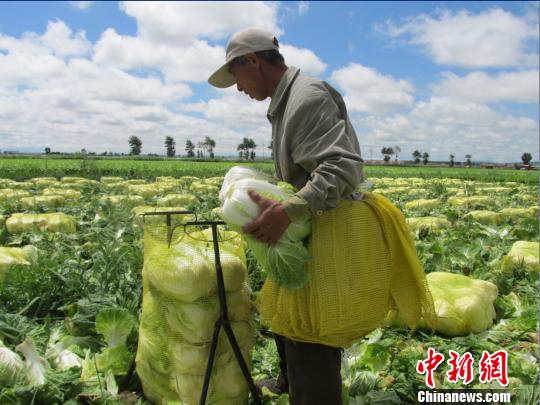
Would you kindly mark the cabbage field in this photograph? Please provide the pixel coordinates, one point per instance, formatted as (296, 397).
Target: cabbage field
(71, 255)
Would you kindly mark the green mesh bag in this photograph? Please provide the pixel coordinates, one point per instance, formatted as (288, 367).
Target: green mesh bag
(179, 310)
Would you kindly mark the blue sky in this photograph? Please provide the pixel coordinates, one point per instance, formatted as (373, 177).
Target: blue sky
(443, 77)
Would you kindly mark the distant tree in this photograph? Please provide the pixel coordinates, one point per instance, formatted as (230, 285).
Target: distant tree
(397, 150)
(83, 151)
(468, 157)
(451, 160)
(189, 148)
(425, 158)
(170, 146)
(135, 145)
(251, 146)
(417, 155)
(387, 152)
(47, 150)
(200, 149)
(526, 158)
(246, 149)
(241, 148)
(209, 144)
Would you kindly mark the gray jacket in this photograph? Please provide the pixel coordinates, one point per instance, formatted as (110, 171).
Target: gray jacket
(314, 144)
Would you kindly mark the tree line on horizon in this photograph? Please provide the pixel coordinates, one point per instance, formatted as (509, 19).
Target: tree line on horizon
(247, 151)
(389, 151)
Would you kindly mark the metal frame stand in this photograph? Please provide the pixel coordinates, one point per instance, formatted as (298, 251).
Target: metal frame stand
(223, 320)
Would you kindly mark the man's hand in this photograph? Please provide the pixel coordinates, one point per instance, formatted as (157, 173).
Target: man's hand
(271, 222)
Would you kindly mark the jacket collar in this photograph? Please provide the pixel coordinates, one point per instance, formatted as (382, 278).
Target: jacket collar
(286, 80)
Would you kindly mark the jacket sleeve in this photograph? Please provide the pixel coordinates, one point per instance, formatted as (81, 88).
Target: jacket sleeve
(325, 146)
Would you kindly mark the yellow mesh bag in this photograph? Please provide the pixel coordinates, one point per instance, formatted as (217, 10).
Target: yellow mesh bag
(364, 264)
(179, 310)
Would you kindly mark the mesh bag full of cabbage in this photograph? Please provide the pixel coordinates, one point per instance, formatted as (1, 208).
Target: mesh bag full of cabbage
(366, 265)
(179, 309)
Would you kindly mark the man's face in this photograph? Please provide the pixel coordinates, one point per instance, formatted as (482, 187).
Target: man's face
(249, 79)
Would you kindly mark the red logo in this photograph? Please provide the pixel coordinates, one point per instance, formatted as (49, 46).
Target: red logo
(491, 367)
(494, 367)
(460, 368)
(429, 365)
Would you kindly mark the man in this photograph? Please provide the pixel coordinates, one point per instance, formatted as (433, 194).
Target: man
(316, 149)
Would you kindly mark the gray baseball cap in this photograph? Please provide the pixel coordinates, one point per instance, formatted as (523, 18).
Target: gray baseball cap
(243, 42)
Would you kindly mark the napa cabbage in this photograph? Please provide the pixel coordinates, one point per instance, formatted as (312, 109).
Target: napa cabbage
(485, 217)
(463, 305)
(10, 256)
(115, 325)
(52, 222)
(522, 253)
(284, 261)
(195, 321)
(239, 173)
(11, 366)
(187, 271)
(177, 200)
(431, 223)
(192, 358)
(60, 349)
(35, 365)
(423, 204)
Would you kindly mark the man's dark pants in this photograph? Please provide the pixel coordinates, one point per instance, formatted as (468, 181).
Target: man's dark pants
(310, 372)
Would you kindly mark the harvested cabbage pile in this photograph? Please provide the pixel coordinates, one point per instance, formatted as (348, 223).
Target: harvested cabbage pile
(179, 310)
(431, 223)
(171, 200)
(49, 201)
(485, 217)
(423, 204)
(51, 222)
(284, 261)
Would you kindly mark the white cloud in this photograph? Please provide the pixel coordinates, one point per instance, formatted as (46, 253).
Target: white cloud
(62, 41)
(442, 127)
(80, 5)
(367, 90)
(493, 38)
(304, 59)
(70, 103)
(181, 50)
(178, 23)
(34, 58)
(187, 63)
(233, 111)
(520, 87)
(27, 63)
